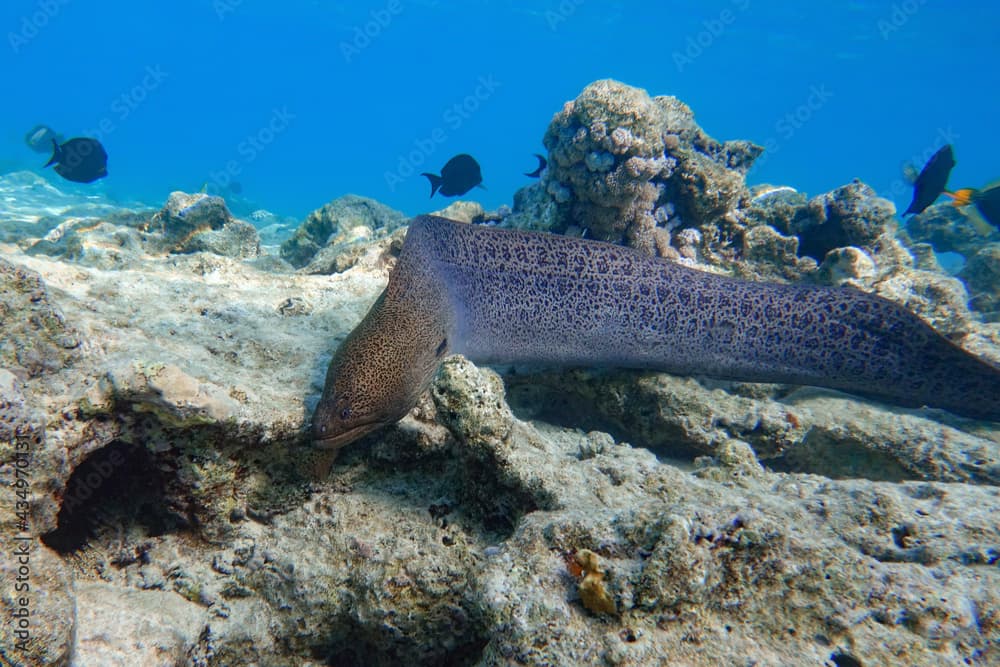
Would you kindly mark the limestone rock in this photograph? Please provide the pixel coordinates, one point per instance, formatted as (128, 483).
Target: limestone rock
(982, 277)
(119, 627)
(38, 602)
(189, 223)
(462, 211)
(852, 215)
(36, 338)
(941, 300)
(334, 222)
(947, 229)
(119, 240)
(847, 266)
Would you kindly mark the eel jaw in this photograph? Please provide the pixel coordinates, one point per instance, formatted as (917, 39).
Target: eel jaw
(338, 440)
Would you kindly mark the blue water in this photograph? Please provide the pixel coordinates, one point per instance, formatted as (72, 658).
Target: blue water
(302, 101)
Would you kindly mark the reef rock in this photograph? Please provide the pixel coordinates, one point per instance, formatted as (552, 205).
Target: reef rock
(177, 513)
(847, 266)
(342, 221)
(120, 240)
(947, 229)
(981, 274)
(940, 299)
(534, 209)
(463, 211)
(201, 222)
(852, 215)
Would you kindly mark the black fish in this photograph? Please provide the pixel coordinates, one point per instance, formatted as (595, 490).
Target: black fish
(459, 175)
(40, 138)
(932, 181)
(80, 160)
(987, 202)
(542, 163)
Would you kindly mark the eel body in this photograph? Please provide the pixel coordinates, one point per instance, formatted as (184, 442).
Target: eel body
(504, 296)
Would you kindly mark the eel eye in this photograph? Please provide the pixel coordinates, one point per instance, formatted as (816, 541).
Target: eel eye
(342, 408)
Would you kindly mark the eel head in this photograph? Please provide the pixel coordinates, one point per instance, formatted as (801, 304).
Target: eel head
(378, 373)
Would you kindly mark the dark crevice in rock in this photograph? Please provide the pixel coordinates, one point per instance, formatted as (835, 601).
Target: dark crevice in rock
(823, 453)
(845, 660)
(114, 489)
(547, 399)
(495, 506)
(381, 645)
(465, 492)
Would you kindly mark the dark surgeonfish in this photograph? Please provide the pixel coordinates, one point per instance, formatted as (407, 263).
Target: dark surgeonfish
(986, 201)
(932, 181)
(81, 160)
(458, 175)
(542, 163)
(40, 138)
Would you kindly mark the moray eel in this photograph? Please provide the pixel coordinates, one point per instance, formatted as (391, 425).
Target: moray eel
(505, 296)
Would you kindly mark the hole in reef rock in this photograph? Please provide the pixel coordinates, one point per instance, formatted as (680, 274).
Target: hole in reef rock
(845, 660)
(450, 636)
(551, 399)
(113, 490)
(825, 453)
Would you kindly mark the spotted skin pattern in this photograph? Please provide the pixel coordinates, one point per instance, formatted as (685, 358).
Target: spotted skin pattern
(504, 296)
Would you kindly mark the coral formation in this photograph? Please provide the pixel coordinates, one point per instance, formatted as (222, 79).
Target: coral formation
(852, 215)
(622, 164)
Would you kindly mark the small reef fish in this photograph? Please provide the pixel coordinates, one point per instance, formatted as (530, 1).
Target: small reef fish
(81, 160)
(40, 138)
(458, 175)
(542, 164)
(932, 181)
(986, 201)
